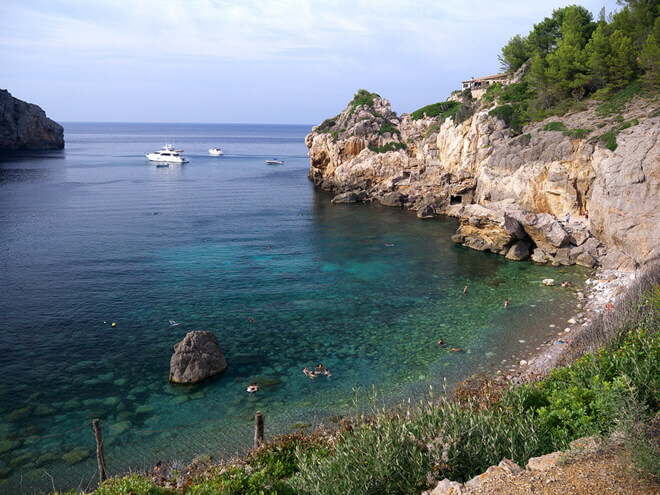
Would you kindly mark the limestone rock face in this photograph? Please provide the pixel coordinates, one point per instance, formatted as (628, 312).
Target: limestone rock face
(24, 126)
(197, 357)
(527, 181)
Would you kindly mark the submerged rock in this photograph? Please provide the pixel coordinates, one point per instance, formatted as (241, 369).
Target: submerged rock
(197, 357)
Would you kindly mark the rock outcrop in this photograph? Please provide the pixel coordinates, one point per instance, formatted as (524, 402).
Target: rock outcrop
(197, 357)
(24, 126)
(512, 194)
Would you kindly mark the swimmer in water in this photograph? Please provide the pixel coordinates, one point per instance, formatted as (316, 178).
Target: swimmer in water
(506, 304)
(253, 388)
(465, 289)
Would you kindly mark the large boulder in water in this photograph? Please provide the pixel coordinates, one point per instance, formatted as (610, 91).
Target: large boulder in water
(197, 357)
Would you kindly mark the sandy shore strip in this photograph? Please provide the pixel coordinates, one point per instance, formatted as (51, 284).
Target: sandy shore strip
(602, 290)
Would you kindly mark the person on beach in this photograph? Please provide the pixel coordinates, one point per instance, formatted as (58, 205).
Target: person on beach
(568, 217)
(586, 214)
(465, 289)
(506, 304)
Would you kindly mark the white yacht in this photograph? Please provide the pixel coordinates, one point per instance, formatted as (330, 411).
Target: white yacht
(167, 154)
(274, 161)
(217, 151)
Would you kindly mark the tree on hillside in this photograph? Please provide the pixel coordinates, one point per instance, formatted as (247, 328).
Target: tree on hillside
(598, 54)
(649, 58)
(637, 19)
(567, 65)
(623, 66)
(515, 53)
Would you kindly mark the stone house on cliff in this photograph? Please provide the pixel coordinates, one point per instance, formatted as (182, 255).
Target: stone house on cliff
(479, 85)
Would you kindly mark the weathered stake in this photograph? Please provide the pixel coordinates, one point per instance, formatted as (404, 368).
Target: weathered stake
(99, 449)
(258, 429)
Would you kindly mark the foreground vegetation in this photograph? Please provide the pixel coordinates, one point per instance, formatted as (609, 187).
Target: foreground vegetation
(613, 385)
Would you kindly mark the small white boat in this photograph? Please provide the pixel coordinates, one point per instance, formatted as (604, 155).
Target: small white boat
(216, 151)
(274, 161)
(167, 154)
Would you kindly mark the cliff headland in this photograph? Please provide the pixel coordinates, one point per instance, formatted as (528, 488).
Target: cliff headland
(24, 126)
(553, 191)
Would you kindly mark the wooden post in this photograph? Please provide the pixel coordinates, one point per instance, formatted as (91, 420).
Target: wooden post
(258, 429)
(99, 449)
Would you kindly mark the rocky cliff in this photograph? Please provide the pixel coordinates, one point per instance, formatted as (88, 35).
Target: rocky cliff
(25, 126)
(512, 193)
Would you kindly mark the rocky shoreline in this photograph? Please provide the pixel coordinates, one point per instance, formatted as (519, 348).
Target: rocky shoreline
(546, 195)
(605, 286)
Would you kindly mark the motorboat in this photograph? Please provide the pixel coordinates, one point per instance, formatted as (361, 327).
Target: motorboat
(274, 161)
(167, 154)
(217, 151)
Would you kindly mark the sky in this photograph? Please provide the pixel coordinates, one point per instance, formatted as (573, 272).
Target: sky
(250, 61)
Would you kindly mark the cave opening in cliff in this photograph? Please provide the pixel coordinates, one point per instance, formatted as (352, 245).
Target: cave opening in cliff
(455, 199)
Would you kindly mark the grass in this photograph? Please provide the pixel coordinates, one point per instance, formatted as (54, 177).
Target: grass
(617, 103)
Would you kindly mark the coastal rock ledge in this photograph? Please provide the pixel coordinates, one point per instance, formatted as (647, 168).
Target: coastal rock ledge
(553, 197)
(197, 357)
(24, 126)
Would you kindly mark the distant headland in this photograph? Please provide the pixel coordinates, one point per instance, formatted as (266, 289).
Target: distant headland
(24, 126)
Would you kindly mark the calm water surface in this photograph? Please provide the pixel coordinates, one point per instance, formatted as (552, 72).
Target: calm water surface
(96, 234)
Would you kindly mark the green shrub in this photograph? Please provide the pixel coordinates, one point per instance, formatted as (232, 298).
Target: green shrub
(609, 139)
(493, 92)
(443, 109)
(600, 125)
(335, 135)
(628, 124)
(388, 127)
(655, 113)
(134, 484)
(515, 116)
(388, 147)
(554, 126)
(525, 139)
(362, 97)
(327, 124)
(577, 133)
(515, 93)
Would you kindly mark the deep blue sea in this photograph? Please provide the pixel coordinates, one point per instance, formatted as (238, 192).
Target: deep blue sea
(95, 234)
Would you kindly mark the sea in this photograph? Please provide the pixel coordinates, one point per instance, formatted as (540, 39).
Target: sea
(100, 248)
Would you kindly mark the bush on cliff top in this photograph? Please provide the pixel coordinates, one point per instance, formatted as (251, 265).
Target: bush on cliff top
(443, 109)
(362, 97)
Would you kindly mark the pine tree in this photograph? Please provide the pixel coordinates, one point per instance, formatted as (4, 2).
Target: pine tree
(598, 53)
(567, 64)
(623, 64)
(649, 58)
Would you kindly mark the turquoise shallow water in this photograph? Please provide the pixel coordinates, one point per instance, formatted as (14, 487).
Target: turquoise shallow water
(97, 234)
